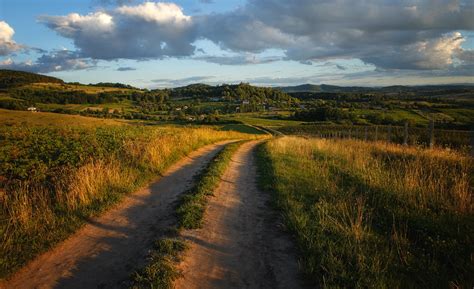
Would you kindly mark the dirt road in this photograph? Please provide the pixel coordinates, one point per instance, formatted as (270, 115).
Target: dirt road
(240, 244)
(104, 252)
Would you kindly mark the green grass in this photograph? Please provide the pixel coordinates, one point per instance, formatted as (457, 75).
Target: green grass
(463, 115)
(373, 215)
(242, 128)
(396, 115)
(192, 207)
(417, 136)
(262, 119)
(160, 271)
(14, 118)
(74, 87)
(125, 104)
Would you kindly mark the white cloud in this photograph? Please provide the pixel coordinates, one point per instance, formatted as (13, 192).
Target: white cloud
(148, 30)
(158, 12)
(7, 44)
(407, 34)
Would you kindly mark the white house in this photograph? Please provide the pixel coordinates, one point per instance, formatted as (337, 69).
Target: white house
(32, 109)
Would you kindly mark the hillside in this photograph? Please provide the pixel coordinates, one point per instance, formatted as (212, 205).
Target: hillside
(386, 89)
(226, 92)
(13, 78)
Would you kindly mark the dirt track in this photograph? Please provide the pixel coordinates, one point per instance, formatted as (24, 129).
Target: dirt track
(240, 244)
(104, 252)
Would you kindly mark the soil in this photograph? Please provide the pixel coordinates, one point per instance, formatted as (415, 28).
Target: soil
(242, 243)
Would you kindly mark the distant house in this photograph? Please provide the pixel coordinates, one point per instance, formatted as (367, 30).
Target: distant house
(245, 102)
(32, 109)
(214, 99)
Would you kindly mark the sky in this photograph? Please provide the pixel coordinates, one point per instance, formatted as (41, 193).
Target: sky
(262, 42)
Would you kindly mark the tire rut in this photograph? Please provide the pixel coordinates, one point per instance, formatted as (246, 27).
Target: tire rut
(241, 244)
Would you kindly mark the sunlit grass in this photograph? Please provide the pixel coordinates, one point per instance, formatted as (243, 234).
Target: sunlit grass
(56, 175)
(375, 215)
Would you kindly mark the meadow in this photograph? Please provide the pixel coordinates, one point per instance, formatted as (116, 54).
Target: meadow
(416, 136)
(56, 171)
(376, 215)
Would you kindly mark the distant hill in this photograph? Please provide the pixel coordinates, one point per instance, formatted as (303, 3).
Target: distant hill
(386, 89)
(323, 88)
(232, 92)
(301, 88)
(113, 84)
(13, 78)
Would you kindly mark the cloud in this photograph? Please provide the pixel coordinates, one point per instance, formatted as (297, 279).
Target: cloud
(148, 30)
(417, 34)
(407, 34)
(126, 68)
(7, 44)
(242, 59)
(438, 53)
(112, 2)
(59, 60)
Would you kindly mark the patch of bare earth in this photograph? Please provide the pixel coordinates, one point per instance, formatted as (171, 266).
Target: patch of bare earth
(241, 244)
(105, 252)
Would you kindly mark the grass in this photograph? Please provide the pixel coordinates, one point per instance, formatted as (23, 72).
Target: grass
(374, 215)
(160, 270)
(57, 171)
(417, 136)
(14, 118)
(242, 128)
(263, 119)
(76, 87)
(125, 105)
(192, 207)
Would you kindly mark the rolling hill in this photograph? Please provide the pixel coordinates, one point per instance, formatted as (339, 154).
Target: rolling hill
(13, 78)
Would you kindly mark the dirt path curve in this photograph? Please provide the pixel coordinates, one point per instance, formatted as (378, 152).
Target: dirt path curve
(240, 244)
(104, 252)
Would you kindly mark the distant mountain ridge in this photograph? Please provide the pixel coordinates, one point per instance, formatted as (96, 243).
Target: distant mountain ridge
(394, 88)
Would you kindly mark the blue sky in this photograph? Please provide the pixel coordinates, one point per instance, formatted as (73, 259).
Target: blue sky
(264, 42)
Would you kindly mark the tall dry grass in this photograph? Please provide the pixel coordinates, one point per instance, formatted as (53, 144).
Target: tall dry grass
(375, 215)
(53, 179)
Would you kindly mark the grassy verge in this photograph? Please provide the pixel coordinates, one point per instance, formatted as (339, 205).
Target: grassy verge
(371, 215)
(54, 177)
(160, 271)
(192, 207)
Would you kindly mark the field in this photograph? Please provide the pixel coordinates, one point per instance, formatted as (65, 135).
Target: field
(415, 136)
(376, 215)
(25, 118)
(234, 186)
(57, 170)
